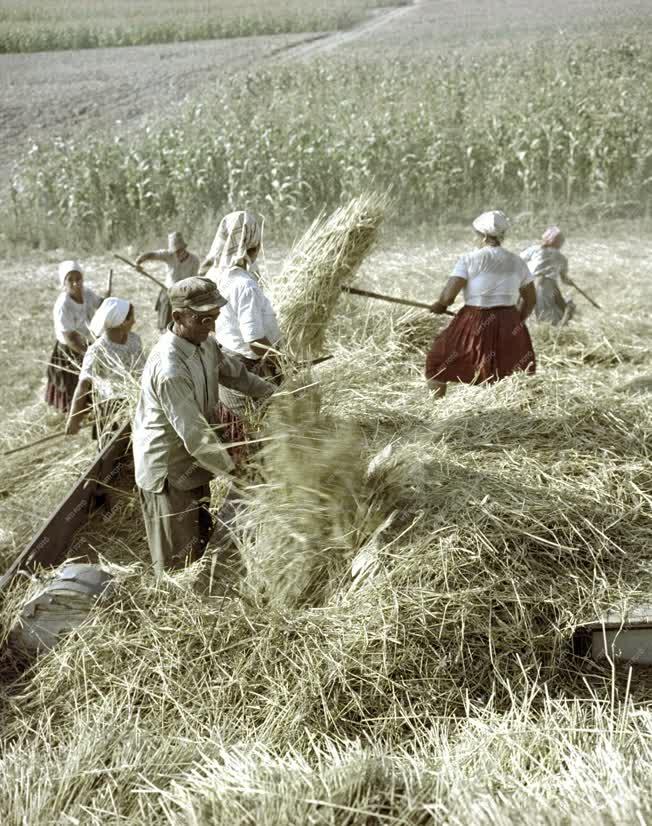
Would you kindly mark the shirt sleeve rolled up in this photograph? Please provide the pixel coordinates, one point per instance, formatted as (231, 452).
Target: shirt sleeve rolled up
(460, 270)
(250, 310)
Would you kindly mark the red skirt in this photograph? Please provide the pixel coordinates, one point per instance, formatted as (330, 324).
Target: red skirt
(481, 344)
(231, 429)
(62, 376)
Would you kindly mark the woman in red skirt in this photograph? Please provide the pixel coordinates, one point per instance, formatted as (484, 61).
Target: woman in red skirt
(488, 339)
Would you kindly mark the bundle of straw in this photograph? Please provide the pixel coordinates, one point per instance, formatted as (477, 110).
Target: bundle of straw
(325, 258)
(315, 507)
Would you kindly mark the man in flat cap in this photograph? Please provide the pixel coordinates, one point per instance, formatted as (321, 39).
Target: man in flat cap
(176, 450)
(180, 263)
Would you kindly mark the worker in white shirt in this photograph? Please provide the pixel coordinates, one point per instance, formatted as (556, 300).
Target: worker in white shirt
(247, 327)
(549, 266)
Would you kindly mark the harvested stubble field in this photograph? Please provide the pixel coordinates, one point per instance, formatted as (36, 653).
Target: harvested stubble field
(439, 684)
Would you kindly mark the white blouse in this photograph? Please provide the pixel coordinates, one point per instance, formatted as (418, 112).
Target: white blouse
(248, 316)
(108, 365)
(71, 317)
(546, 262)
(493, 277)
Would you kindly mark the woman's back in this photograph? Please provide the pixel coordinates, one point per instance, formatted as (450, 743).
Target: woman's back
(107, 364)
(545, 262)
(493, 277)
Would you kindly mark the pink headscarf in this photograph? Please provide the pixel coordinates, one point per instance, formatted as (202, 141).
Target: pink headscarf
(552, 237)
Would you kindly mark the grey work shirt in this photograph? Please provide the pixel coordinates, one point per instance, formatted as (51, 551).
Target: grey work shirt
(172, 434)
(176, 270)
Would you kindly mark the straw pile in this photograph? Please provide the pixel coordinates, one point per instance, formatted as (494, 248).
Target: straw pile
(326, 257)
(511, 523)
(436, 683)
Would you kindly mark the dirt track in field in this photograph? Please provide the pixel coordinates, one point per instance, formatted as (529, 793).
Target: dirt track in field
(48, 94)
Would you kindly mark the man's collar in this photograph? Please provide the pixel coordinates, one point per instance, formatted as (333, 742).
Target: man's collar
(186, 347)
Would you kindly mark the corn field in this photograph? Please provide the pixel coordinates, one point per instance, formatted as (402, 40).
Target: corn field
(575, 129)
(36, 25)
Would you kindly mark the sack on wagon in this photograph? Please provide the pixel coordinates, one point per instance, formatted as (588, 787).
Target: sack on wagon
(60, 606)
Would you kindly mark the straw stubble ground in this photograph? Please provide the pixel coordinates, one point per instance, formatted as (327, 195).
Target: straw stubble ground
(439, 684)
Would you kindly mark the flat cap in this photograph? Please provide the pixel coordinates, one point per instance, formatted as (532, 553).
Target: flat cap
(196, 293)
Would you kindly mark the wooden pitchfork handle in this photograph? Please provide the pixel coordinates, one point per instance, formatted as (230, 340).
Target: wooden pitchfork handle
(58, 435)
(49, 438)
(581, 292)
(139, 269)
(391, 299)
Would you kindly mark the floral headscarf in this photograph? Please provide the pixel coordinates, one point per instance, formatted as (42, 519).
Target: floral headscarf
(552, 237)
(237, 233)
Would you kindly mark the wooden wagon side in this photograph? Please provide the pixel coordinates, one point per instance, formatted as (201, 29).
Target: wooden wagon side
(52, 542)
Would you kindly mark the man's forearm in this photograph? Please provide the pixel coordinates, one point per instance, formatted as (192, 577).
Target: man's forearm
(234, 375)
(262, 347)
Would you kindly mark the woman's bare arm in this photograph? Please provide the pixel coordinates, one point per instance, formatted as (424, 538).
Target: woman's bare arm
(448, 295)
(75, 342)
(81, 404)
(527, 301)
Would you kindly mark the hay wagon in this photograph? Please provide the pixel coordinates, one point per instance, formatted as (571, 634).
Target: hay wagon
(91, 492)
(620, 635)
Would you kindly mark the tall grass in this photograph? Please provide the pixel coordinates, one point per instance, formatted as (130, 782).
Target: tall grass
(36, 25)
(537, 130)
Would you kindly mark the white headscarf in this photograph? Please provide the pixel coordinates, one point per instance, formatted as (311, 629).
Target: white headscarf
(111, 313)
(492, 223)
(68, 266)
(237, 233)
